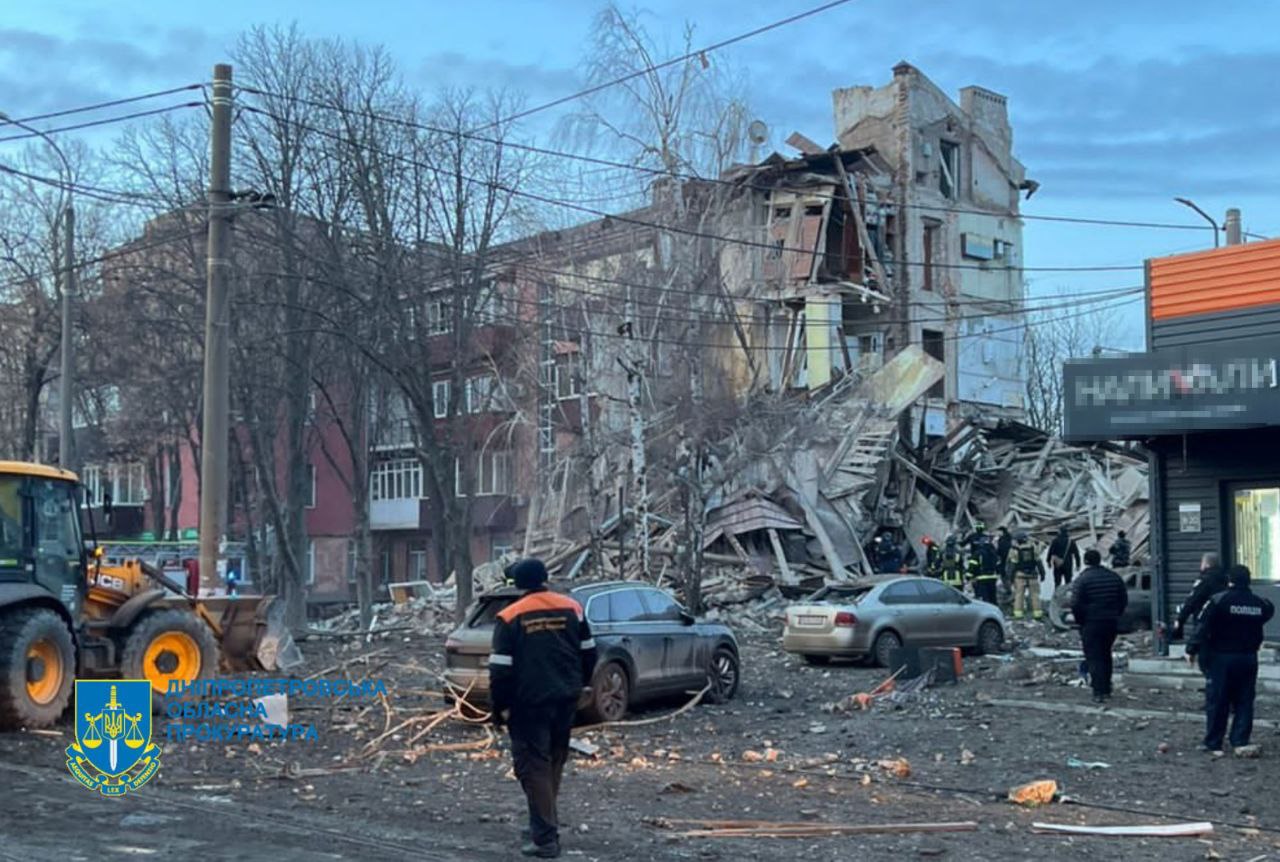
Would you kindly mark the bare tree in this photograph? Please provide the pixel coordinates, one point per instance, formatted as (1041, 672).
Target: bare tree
(1055, 335)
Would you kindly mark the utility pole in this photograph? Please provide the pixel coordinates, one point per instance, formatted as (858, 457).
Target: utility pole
(66, 388)
(1233, 226)
(214, 429)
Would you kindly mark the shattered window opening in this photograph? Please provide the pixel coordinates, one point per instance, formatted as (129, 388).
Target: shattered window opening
(948, 168)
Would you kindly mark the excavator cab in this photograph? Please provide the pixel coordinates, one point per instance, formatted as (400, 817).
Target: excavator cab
(64, 612)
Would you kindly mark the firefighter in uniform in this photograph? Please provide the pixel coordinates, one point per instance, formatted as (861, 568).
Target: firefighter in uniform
(932, 557)
(1027, 573)
(983, 564)
(1228, 634)
(952, 565)
(543, 654)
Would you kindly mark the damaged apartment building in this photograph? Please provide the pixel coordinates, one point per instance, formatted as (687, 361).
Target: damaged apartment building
(776, 281)
(906, 231)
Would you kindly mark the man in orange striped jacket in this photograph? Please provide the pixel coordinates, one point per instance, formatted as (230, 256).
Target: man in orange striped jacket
(543, 654)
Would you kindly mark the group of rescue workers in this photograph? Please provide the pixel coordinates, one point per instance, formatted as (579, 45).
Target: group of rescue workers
(981, 562)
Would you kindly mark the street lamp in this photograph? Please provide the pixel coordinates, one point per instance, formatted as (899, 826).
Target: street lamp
(66, 391)
(1187, 203)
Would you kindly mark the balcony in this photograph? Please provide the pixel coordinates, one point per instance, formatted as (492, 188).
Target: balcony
(395, 514)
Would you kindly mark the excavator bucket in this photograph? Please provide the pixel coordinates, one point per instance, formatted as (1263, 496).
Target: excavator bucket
(254, 634)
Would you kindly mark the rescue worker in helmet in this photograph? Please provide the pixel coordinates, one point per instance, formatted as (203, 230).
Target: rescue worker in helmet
(951, 569)
(1027, 572)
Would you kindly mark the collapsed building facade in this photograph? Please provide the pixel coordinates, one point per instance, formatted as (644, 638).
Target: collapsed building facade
(765, 370)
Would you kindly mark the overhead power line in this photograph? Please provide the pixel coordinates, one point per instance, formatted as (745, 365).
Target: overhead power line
(676, 229)
(114, 103)
(137, 115)
(684, 175)
(699, 53)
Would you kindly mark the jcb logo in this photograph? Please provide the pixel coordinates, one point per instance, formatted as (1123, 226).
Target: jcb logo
(110, 582)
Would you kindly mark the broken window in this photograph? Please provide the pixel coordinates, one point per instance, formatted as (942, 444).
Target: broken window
(948, 168)
(934, 344)
(932, 232)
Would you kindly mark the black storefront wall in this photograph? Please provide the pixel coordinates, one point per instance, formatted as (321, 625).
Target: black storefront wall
(1192, 484)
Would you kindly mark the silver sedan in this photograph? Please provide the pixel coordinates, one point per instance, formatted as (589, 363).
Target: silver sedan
(874, 616)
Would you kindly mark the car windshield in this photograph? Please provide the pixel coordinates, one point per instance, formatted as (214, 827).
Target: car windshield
(840, 593)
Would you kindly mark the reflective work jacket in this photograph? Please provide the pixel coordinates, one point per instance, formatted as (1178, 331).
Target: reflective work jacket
(542, 651)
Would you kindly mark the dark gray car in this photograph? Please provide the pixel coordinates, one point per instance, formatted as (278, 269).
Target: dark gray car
(649, 647)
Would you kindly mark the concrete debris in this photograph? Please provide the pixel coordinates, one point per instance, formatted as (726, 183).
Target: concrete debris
(799, 496)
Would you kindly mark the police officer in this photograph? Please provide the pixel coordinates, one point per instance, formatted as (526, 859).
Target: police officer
(1027, 573)
(543, 654)
(983, 571)
(1229, 632)
(1100, 601)
(1119, 551)
(952, 567)
(1212, 580)
(932, 557)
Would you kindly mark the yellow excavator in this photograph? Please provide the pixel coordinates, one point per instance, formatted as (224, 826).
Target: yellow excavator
(64, 614)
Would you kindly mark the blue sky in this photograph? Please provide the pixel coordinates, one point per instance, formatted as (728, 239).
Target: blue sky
(1116, 107)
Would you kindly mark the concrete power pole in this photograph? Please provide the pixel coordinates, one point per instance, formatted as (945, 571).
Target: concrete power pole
(1233, 226)
(67, 389)
(214, 429)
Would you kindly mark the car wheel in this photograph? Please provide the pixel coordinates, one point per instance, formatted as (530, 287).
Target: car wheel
(722, 676)
(810, 658)
(990, 638)
(610, 694)
(886, 643)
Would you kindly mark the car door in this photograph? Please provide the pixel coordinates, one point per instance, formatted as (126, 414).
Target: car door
(637, 635)
(953, 623)
(680, 666)
(908, 613)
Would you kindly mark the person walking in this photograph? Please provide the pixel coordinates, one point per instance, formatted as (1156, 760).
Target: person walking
(543, 654)
(1228, 634)
(1064, 557)
(1100, 601)
(1027, 572)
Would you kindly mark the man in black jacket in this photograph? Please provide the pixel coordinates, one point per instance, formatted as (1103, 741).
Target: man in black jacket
(1229, 632)
(1100, 601)
(1212, 580)
(543, 654)
(1004, 544)
(1064, 556)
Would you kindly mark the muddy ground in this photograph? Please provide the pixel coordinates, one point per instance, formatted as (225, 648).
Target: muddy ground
(966, 746)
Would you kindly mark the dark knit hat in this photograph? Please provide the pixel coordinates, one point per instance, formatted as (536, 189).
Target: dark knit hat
(527, 574)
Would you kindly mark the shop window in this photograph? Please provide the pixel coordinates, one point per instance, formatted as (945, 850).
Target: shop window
(1256, 530)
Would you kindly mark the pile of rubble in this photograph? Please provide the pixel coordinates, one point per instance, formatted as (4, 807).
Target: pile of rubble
(801, 499)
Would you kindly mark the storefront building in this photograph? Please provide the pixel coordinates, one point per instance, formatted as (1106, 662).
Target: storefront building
(1205, 403)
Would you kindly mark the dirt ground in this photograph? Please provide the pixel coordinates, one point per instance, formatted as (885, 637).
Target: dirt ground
(966, 744)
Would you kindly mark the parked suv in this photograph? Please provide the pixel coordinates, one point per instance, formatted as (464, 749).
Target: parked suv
(649, 647)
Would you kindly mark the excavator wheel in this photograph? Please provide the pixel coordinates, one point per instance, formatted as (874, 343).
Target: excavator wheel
(168, 645)
(37, 667)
